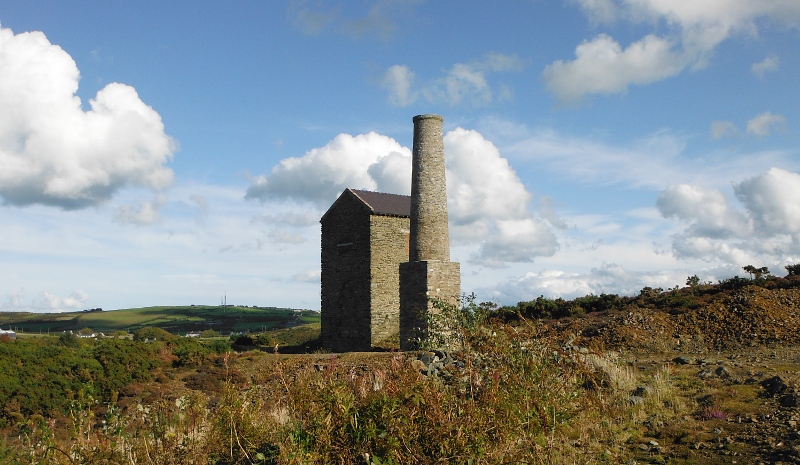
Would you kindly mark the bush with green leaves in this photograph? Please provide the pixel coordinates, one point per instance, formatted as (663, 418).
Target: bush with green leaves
(42, 376)
(153, 333)
(793, 269)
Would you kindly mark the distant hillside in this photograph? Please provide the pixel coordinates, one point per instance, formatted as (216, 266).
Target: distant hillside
(176, 320)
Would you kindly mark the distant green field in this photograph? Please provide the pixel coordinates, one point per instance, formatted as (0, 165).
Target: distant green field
(177, 320)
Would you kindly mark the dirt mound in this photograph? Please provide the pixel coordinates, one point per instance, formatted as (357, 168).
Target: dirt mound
(749, 317)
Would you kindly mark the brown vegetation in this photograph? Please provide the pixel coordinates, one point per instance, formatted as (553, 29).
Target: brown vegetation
(705, 374)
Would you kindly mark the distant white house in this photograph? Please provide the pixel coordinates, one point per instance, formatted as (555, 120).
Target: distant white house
(193, 334)
(9, 334)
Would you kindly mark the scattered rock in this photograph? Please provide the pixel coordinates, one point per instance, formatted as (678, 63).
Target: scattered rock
(775, 385)
(419, 365)
(722, 372)
(790, 399)
(641, 391)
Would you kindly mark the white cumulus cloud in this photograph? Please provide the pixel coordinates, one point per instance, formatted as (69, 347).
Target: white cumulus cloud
(322, 173)
(692, 31)
(488, 205)
(516, 241)
(601, 66)
(52, 152)
(707, 210)
(773, 201)
(766, 224)
(480, 182)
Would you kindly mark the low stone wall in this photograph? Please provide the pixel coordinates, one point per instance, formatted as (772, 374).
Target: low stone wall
(419, 283)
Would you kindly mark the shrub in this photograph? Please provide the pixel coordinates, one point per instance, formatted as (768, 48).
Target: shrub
(793, 269)
(218, 346)
(244, 340)
(189, 352)
(734, 283)
(149, 332)
(543, 307)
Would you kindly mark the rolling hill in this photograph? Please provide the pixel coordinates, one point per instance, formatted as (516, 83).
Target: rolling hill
(177, 320)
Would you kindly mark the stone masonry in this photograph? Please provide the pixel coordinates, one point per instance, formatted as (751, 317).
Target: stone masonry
(430, 237)
(364, 239)
(385, 256)
(429, 273)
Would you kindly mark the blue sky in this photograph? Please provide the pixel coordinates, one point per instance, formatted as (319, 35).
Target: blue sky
(158, 153)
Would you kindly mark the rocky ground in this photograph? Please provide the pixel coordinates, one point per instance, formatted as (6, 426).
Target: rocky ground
(734, 356)
(731, 356)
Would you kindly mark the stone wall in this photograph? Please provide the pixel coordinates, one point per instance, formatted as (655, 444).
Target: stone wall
(360, 282)
(345, 279)
(421, 282)
(389, 247)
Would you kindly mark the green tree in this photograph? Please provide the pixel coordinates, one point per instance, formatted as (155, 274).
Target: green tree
(123, 362)
(68, 340)
(190, 352)
(149, 332)
(219, 346)
(793, 269)
(756, 273)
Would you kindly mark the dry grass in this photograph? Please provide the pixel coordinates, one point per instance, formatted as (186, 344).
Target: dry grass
(515, 400)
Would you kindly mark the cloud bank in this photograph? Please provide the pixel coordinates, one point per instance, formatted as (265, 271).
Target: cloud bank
(488, 205)
(608, 278)
(52, 152)
(46, 302)
(765, 228)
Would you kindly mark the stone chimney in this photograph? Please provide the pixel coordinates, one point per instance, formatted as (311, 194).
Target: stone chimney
(429, 273)
(430, 238)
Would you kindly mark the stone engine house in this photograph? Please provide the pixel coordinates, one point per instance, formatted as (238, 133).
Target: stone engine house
(385, 256)
(364, 239)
